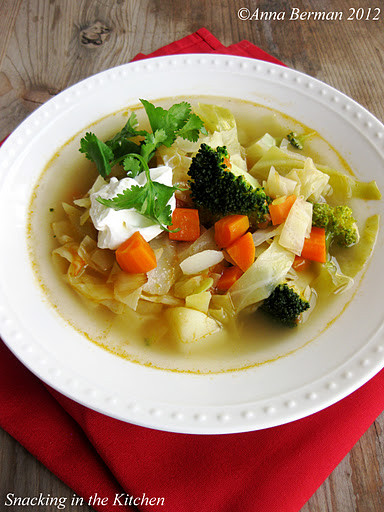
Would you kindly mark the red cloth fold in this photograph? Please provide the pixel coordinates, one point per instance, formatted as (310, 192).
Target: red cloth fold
(203, 41)
(276, 469)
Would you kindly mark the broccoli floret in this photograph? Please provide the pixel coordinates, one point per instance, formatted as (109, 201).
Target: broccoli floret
(297, 141)
(285, 305)
(338, 222)
(215, 188)
(322, 215)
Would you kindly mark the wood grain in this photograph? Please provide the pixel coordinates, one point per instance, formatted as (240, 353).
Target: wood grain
(47, 45)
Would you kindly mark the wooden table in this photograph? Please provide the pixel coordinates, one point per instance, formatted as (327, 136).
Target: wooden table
(47, 45)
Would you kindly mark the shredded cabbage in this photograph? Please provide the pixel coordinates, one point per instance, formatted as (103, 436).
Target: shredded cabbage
(342, 185)
(262, 235)
(332, 280)
(277, 185)
(238, 171)
(204, 242)
(297, 226)
(215, 118)
(162, 277)
(128, 287)
(98, 184)
(199, 301)
(176, 158)
(192, 285)
(345, 187)
(352, 259)
(312, 183)
(262, 277)
(258, 148)
(63, 231)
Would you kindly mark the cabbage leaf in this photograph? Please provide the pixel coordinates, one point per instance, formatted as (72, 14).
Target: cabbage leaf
(297, 226)
(258, 282)
(343, 186)
(277, 185)
(312, 183)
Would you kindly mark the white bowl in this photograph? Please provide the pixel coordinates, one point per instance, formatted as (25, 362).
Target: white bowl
(337, 362)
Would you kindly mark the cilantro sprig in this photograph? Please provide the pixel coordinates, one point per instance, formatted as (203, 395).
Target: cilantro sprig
(167, 125)
(134, 155)
(150, 199)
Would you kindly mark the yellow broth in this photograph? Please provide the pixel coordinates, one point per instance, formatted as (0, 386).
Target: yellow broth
(69, 175)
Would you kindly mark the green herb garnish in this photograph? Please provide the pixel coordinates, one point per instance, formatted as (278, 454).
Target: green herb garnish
(150, 199)
(166, 126)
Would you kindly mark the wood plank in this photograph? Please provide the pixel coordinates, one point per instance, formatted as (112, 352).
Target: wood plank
(26, 476)
(9, 12)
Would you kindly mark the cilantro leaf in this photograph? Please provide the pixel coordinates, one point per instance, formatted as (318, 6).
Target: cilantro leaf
(150, 200)
(120, 144)
(128, 131)
(166, 126)
(151, 142)
(171, 121)
(123, 148)
(191, 129)
(163, 194)
(98, 152)
(178, 115)
(132, 165)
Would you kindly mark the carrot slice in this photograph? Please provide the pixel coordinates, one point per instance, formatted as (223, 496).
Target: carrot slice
(188, 223)
(229, 276)
(242, 251)
(314, 247)
(279, 211)
(135, 255)
(300, 264)
(230, 228)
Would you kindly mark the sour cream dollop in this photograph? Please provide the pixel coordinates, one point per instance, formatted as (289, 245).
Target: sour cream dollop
(116, 226)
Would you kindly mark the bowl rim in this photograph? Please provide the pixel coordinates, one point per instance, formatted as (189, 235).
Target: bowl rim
(187, 418)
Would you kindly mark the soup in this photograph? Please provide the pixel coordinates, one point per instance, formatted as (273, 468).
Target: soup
(241, 237)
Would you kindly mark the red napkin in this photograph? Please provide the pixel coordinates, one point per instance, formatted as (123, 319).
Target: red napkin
(276, 469)
(203, 41)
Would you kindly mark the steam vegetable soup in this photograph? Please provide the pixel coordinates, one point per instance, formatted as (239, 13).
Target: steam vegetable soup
(204, 239)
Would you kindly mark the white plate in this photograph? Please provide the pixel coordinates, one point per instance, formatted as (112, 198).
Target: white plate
(340, 360)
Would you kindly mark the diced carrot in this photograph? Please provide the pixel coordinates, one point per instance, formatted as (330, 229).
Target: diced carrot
(279, 211)
(188, 223)
(135, 255)
(229, 276)
(300, 264)
(230, 228)
(314, 247)
(242, 251)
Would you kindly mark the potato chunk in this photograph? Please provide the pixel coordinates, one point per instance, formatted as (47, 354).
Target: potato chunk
(189, 325)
